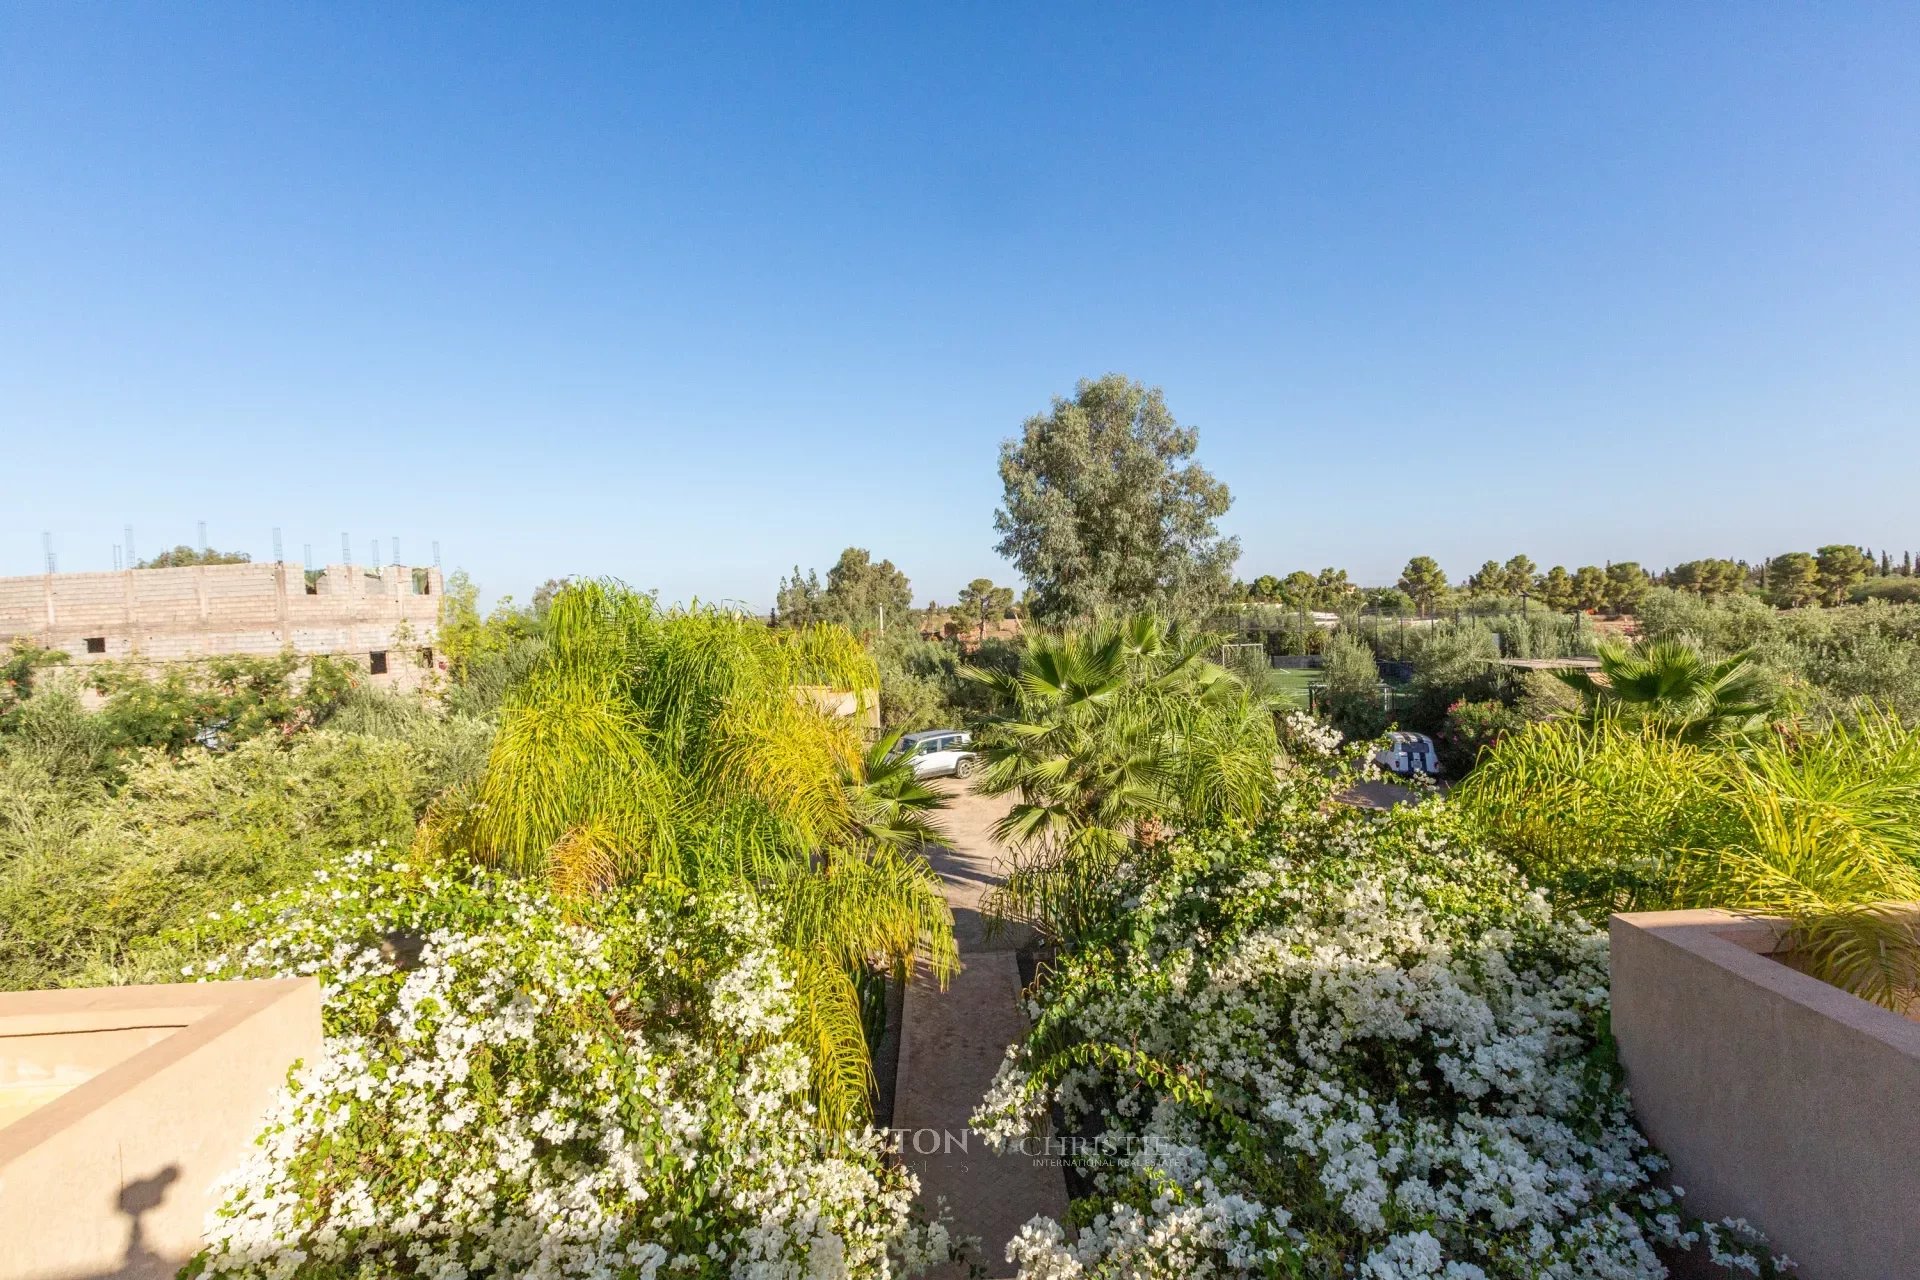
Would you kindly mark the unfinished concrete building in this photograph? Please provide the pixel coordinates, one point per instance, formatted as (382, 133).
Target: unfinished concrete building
(384, 619)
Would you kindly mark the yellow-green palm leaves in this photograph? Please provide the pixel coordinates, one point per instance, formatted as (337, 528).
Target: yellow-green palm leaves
(1820, 830)
(703, 748)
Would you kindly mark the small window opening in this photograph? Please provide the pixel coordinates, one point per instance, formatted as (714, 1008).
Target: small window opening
(422, 583)
(96, 644)
(377, 662)
(313, 581)
(426, 657)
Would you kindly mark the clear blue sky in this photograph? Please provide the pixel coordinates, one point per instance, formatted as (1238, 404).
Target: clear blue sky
(690, 297)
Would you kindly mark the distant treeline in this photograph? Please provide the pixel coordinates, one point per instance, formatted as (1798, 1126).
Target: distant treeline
(1838, 573)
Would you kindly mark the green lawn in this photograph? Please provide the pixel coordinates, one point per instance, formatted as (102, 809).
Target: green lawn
(1291, 685)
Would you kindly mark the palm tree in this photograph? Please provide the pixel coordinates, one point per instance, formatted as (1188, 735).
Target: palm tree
(891, 807)
(692, 747)
(1106, 737)
(1674, 688)
(1817, 830)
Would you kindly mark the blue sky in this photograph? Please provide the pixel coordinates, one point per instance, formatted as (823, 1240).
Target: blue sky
(691, 296)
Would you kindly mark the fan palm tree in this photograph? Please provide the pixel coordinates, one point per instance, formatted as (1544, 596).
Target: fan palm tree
(891, 807)
(1674, 688)
(690, 747)
(1106, 737)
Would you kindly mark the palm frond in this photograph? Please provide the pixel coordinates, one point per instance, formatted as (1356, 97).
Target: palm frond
(829, 1029)
(1817, 831)
(583, 862)
(1673, 687)
(890, 805)
(691, 747)
(1107, 736)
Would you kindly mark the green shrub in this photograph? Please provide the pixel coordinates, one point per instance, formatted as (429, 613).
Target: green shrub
(922, 685)
(54, 733)
(1891, 590)
(918, 679)
(479, 685)
(1456, 660)
(80, 883)
(448, 748)
(1828, 659)
(20, 668)
(1508, 633)
(1353, 699)
(1724, 625)
(1451, 663)
(486, 656)
(225, 700)
(1471, 728)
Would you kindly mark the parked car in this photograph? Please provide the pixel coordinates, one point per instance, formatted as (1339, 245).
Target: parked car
(938, 753)
(1408, 753)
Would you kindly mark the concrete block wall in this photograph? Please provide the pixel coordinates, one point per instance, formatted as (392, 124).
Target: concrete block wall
(201, 611)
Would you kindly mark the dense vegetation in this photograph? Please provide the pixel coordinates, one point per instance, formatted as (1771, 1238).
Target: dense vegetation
(1815, 827)
(1302, 1038)
(605, 919)
(119, 822)
(1822, 659)
(1341, 1043)
(602, 922)
(1107, 739)
(551, 1086)
(1442, 676)
(679, 746)
(923, 682)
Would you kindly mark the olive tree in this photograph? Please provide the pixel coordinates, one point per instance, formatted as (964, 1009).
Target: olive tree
(1352, 692)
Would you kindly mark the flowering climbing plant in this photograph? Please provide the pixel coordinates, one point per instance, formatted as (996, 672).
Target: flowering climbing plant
(1352, 1044)
(516, 1086)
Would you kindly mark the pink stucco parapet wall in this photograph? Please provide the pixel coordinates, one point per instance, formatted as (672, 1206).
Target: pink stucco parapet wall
(1779, 1099)
(130, 1103)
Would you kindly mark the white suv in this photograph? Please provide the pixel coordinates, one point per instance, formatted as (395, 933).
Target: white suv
(1409, 753)
(938, 753)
